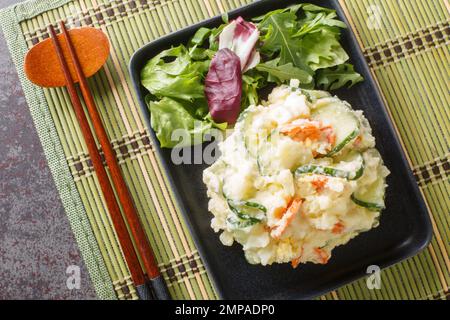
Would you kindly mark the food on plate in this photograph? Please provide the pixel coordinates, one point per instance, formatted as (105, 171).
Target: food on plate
(223, 86)
(298, 176)
(196, 86)
(241, 37)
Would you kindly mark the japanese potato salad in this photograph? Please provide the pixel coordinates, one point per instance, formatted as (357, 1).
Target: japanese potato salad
(298, 176)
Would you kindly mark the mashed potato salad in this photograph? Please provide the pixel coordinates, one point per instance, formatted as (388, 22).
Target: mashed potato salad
(299, 176)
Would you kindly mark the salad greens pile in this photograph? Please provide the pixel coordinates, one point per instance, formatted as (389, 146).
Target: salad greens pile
(299, 42)
(177, 99)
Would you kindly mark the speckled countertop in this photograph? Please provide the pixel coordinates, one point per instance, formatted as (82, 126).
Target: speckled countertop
(36, 242)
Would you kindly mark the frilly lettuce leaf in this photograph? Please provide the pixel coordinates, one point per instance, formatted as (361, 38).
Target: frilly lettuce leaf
(180, 78)
(322, 50)
(337, 77)
(174, 78)
(175, 126)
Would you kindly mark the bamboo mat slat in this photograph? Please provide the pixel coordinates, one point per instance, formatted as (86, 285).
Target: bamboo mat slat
(406, 44)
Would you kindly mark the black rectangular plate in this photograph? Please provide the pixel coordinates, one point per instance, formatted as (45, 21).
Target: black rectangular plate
(404, 230)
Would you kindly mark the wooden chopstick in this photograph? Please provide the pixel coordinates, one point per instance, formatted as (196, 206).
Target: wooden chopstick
(137, 274)
(141, 241)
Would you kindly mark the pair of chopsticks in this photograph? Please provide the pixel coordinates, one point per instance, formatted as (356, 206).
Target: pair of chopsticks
(154, 287)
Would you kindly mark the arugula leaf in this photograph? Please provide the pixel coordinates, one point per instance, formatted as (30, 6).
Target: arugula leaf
(200, 54)
(225, 18)
(316, 22)
(214, 37)
(338, 77)
(180, 78)
(251, 82)
(277, 28)
(314, 8)
(292, 9)
(283, 73)
(305, 36)
(200, 36)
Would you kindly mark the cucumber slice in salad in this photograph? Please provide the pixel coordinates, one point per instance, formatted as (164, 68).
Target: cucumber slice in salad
(345, 124)
(246, 213)
(314, 95)
(258, 144)
(350, 167)
(321, 170)
(371, 197)
(353, 163)
(251, 139)
(264, 154)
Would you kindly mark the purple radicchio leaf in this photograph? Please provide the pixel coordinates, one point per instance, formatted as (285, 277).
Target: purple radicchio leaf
(223, 86)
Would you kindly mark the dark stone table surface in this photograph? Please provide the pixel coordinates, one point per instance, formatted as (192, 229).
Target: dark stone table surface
(36, 242)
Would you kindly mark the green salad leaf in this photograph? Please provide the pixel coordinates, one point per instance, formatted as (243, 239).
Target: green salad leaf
(309, 7)
(283, 73)
(251, 82)
(322, 50)
(337, 77)
(180, 78)
(316, 22)
(175, 126)
(298, 42)
(175, 80)
(277, 28)
(214, 37)
(303, 37)
(200, 36)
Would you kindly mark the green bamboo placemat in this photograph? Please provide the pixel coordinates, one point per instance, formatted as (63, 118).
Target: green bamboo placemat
(406, 44)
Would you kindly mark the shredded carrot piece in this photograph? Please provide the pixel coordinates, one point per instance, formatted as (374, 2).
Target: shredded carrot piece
(330, 135)
(279, 212)
(332, 139)
(358, 140)
(295, 262)
(323, 256)
(319, 183)
(338, 228)
(301, 129)
(285, 221)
